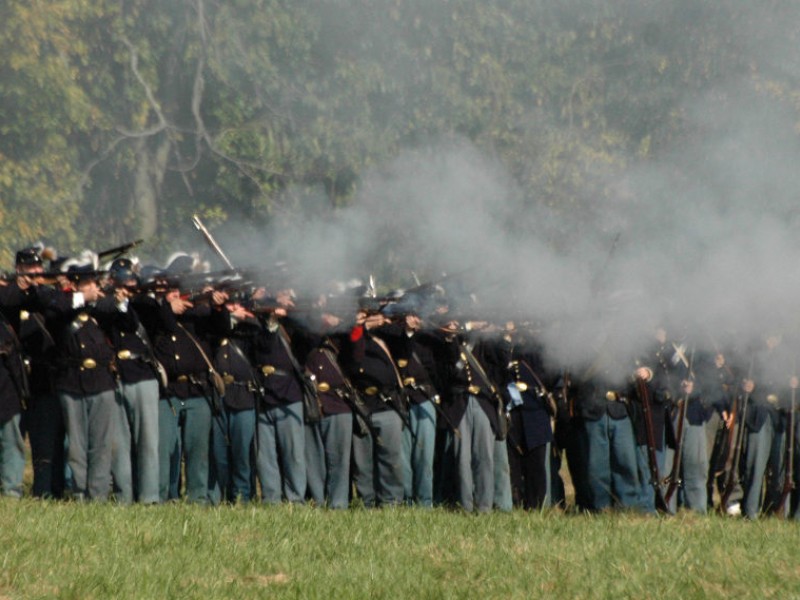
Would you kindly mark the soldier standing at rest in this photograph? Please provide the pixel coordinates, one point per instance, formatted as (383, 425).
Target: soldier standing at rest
(659, 362)
(722, 386)
(602, 397)
(700, 390)
(769, 390)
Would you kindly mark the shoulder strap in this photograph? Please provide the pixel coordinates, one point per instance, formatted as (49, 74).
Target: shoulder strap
(199, 347)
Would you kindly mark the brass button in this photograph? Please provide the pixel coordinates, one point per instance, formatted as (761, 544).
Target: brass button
(611, 395)
(89, 363)
(24, 315)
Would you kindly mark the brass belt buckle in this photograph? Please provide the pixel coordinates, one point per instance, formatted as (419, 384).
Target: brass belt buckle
(228, 379)
(772, 399)
(182, 378)
(89, 363)
(474, 390)
(323, 386)
(267, 370)
(371, 390)
(522, 386)
(611, 396)
(409, 381)
(124, 354)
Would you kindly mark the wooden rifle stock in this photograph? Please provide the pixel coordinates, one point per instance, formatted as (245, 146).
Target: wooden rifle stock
(644, 397)
(734, 453)
(673, 480)
(788, 477)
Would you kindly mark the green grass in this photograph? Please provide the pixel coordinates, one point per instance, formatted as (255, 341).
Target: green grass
(178, 551)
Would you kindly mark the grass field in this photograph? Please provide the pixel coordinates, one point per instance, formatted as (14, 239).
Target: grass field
(84, 551)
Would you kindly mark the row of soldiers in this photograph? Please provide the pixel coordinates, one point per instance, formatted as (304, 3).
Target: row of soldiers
(130, 387)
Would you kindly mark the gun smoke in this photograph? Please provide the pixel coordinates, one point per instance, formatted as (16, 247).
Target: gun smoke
(701, 237)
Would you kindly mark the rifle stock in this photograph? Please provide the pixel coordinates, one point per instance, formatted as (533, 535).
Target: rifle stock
(644, 398)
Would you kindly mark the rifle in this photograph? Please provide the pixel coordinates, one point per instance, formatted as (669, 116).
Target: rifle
(673, 480)
(644, 397)
(211, 241)
(734, 453)
(118, 251)
(788, 478)
(350, 396)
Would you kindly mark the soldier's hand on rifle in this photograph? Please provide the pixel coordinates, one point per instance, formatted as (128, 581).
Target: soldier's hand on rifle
(219, 297)
(239, 312)
(644, 373)
(329, 320)
(748, 385)
(793, 382)
(375, 320)
(687, 385)
(178, 304)
(121, 294)
(413, 322)
(284, 298)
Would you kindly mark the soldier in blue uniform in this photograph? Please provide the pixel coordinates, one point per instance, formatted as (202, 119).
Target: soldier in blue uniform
(280, 431)
(181, 344)
(377, 457)
(85, 382)
(769, 390)
(530, 409)
(136, 463)
(338, 425)
(233, 436)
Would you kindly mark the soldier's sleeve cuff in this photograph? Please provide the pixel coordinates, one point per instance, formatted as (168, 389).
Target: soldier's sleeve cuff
(356, 333)
(78, 301)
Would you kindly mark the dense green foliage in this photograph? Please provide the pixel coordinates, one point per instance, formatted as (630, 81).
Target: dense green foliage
(119, 118)
(178, 551)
